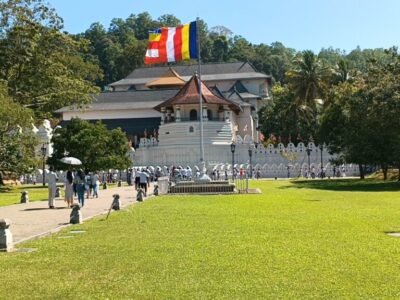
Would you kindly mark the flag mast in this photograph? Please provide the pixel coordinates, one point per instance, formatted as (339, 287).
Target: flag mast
(203, 170)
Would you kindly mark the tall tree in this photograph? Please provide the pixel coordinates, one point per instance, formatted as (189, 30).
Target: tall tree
(42, 67)
(17, 142)
(97, 147)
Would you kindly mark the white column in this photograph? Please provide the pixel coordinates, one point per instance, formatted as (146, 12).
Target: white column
(205, 115)
(226, 113)
(162, 115)
(177, 110)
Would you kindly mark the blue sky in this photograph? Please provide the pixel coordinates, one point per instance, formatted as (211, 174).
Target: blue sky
(300, 24)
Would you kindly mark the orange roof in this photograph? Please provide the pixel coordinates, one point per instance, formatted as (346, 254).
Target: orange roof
(168, 79)
(189, 94)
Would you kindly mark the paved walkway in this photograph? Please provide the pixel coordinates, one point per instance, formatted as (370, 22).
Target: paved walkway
(35, 219)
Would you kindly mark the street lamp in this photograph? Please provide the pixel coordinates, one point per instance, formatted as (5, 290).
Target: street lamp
(44, 150)
(308, 154)
(233, 147)
(250, 155)
(321, 147)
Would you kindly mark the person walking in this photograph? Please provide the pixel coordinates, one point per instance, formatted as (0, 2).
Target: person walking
(88, 185)
(144, 180)
(52, 186)
(69, 188)
(80, 186)
(137, 179)
(95, 184)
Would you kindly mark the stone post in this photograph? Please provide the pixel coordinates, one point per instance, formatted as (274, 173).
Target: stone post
(24, 197)
(76, 215)
(6, 239)
(116, 204)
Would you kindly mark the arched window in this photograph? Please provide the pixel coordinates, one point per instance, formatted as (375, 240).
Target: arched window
(191, 129)
(193, 115)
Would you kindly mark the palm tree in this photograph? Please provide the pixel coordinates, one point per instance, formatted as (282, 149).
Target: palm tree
(308, 81)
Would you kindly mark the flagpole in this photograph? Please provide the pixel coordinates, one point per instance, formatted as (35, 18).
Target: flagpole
(203, 170)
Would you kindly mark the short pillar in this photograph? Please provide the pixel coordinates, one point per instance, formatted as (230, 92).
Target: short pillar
(76, 216)
(116, 204)
(24, 197)
(6, 239)
(156, 192)
(140, 195)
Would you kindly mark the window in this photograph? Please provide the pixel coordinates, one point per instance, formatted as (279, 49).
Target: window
(193, 115)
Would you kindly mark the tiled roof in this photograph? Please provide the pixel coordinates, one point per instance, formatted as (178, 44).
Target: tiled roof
(189, 70)
(209, 72)
(189, 94)
(126, 100)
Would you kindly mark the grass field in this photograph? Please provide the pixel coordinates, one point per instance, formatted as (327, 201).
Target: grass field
(297, 240)
(12, 194)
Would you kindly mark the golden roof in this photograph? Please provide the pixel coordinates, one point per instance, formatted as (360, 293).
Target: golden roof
(169, 79)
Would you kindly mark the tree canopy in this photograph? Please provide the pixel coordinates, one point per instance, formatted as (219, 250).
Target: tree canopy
(97, 147)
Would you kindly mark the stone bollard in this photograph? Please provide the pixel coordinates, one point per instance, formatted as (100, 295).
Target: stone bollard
(6, 239)
(116, 205)
(156, 192)
(24, 197)
(119, 183)
(57, 194)
(140, 195)
(104, 185)
(76, 216)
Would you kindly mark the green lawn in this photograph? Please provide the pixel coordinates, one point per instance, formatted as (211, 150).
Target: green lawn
(12, 194)
(297, 240)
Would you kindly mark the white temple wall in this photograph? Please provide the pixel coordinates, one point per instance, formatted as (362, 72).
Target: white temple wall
(271, 161)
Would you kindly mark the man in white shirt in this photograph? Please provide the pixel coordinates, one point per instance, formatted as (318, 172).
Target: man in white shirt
(52, 185)
(144, 179)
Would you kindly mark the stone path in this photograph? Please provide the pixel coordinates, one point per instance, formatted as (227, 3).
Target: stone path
(35, 219)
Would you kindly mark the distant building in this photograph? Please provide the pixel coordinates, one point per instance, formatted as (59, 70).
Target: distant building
(130, 105)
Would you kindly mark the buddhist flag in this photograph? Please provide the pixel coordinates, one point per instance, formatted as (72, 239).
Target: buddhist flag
(171, 44)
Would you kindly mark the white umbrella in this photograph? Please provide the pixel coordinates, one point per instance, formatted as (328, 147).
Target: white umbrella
(71, 161)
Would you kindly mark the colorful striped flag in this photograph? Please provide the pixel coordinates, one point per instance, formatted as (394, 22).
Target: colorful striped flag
(171, 44)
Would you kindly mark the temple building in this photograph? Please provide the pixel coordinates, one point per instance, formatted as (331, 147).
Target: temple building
(159, 110)
(236, 91)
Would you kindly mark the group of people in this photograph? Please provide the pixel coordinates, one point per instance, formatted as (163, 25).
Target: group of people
(80, 184)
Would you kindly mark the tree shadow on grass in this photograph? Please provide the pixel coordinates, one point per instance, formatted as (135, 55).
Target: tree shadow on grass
(349, 185)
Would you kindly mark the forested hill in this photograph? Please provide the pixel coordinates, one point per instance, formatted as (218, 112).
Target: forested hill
(120, 49)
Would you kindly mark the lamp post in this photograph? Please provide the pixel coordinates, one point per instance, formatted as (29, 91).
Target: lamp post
(44, 149)
(250, 155)
(308, 154)
(321, 147)
(233, 147)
